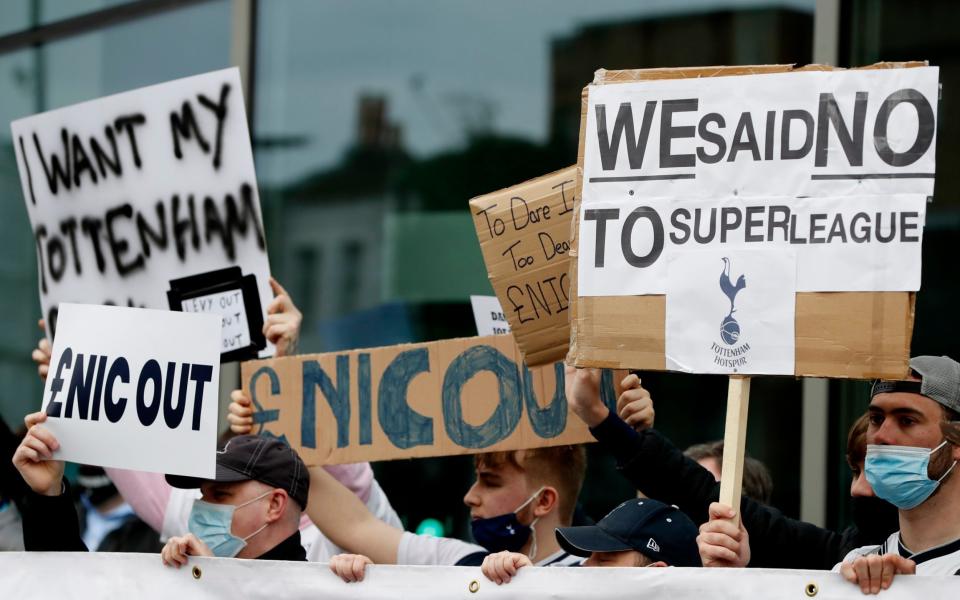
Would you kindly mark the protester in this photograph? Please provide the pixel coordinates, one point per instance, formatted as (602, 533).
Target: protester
(757, 482)
(909, 462)
(724, 544)
(659, 470)
(250, 509)
(108, 523)
(13, 491)
(167, 510)
(519, 498)
(638, 533)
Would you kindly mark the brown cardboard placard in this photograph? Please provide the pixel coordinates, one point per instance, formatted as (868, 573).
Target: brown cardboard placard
(838, 334)
(524, 234)
(441, 398)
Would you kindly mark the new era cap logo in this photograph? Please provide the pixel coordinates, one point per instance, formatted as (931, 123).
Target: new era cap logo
(652, 545)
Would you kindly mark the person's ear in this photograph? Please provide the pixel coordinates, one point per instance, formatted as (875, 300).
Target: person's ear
(546, 502)
(659, 563)
(277, 504)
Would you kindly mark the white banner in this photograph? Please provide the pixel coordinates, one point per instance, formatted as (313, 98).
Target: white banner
(731, 312)
(837, 164)
(135, 388)
(141, 576)
(130, 194)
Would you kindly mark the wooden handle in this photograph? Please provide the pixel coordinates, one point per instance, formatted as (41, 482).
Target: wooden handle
(734, 443)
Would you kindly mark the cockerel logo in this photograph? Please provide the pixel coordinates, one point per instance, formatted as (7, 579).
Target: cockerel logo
(730, 329)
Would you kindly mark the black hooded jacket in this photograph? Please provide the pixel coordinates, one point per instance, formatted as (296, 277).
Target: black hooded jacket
(661, 471)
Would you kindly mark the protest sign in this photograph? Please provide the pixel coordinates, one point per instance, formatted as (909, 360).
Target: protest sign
(489, 316)
(131, 193)
(109, 575)
(728, 158)
(113, 369)
(414, 400)
(524, 234)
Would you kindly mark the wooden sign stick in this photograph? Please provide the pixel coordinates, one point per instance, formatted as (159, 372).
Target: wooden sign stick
(734, 443)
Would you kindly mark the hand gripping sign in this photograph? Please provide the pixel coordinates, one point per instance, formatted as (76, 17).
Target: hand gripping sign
(135, 389)
(752, 220)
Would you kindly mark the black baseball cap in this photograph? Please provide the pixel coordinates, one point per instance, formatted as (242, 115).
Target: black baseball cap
(258, 458)
(652, 528)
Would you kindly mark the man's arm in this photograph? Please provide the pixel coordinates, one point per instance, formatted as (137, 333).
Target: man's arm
(343, 518)
(50, 520)
(659, 470)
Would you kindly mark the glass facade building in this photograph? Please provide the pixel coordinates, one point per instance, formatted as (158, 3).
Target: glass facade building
(373, 123)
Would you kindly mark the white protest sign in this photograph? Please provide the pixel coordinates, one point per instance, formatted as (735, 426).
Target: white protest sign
(109, 575)
(731, 312)
(235, 331)
(135, 389)
(837, 164)
(132, 191)
(489, 316)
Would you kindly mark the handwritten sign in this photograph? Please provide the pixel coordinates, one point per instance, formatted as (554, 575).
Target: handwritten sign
(729, 159)
(414, 400)
(235, 332)
(131, 191)
(135, 389)
(524, 234)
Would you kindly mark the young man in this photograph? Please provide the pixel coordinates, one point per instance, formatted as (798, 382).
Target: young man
(723, 544)
(638, 533)
(910, 462)
(517, 501)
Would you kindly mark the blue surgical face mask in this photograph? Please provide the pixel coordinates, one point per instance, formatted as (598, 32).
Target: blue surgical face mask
(212, 523)
(505, 532)
(898, 474)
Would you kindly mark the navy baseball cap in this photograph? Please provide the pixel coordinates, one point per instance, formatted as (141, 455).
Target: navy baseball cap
(650, 527)
(259, 458)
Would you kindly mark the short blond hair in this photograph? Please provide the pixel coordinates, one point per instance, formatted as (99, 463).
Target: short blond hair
(561, 467)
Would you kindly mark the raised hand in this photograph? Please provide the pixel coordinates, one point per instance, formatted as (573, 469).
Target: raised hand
(34, 457)
(240, 415)
(635, 406)
(583, 395)
(41, 354)
(721, 542)
(282, 327)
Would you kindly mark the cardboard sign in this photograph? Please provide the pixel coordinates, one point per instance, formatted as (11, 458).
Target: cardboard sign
(649, 171)
(524, 234)
(489, 316)
(133, 191)
(135, 389)
(414, 400)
